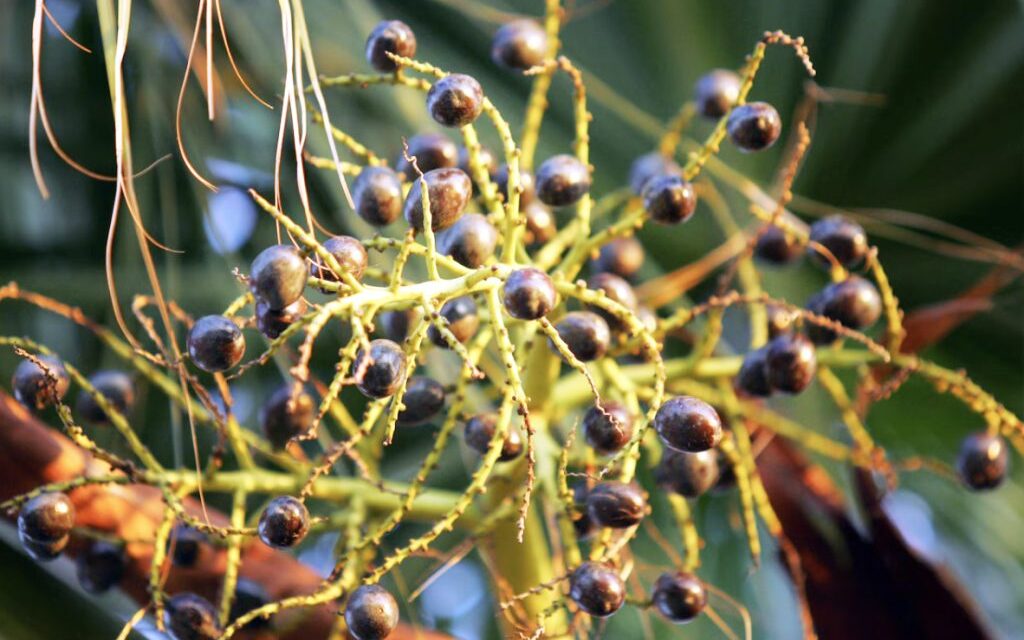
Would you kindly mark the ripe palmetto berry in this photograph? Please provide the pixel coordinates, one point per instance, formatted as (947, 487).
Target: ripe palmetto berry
(586, 334)
(186, 545)
(854, 303)
(470, 241)
(462, 318)
(455, 100)
(423, 399)
(249, 595)
(284, 522)
(389, 36)
(581, 522)
(377, 193)
(519, 45)
(715, 92)
(529, 294)
(449, 191)
(781, 319)
(775, 247)
(616, 505)
(562, 180)
(349, 253)
(272, 323)
(278, 275)
(844, 238)
(36, 387)
(688, 424)
(622, 256)
(679, 596)
(983, 461)
(688, 474)
(607, 429)
(752, 378)
(394, 325)
(615, 289)
(283, 417)
(47, 517)
(380, 371)
(431, 151)
(116, 386)
(215, 343)
(669, 199)
(527, 185)
(754, 126)
(188, 616)
(597, 589)
(371, 613)
(649, 166)
(480, 432)
(540, 223)
(790, 363)
(100, 566)
(43, 551)
(488, 160)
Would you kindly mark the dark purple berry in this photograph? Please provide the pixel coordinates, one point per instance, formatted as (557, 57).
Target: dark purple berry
(191, 617)
(608, 428)
(46, 518)
(100, 567)
(616, 505)
(380, 372)
(431, 151)
(527, 185)
(540, 224)
(394, 325)
(423, 399)
(529, 294)
(844, 238)
(688, 474)
(669, 199)
(775, 246)
(480, 431)
(37, 388)
(790, 363)
(389, 36)
(371, 613)
(349, 253)
(983, 461)
(597, 589)
(460, 314)
(752, 378)
(284, 523)
(854, 303)
(586, 334)
(118, 389)
(519, 45)
(377, 193)
(285, 416)
(186, 546)
(249, 595)
(617, 290)
(621, 256)
(449, 191)
(470, 241)
(688, 424)
(272, 323)
(679, 596)
(581, 522)
(754, 126)
(43, 551)
(780, 319)
(455, 100)
(562, 180)
(215, 343)
(279, 275)
(716, 92)
(650, 166)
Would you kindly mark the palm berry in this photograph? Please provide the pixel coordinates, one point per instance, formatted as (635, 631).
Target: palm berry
(286, 415)
(284, 523)
(215, 343)
(394, 325)
(608, 428)
(616, 505)
(487, 159)
(389, 36)
(679, 596)
(460, 314)
(585, 333)
(449, 190)
(669, 199)
(191, 617)
(754, 126)
(455, 100)
(100, 567)
(349, 253)
(272, 323)
(43, 551)
(581, 522)
(844, 239)
(380, 372)
(431, 151)
(470, 241)
(790, 363)
(540, 223)
(249, 595)
(752, 378)
(726, 475)
(371, 613)
(688, 424)
(617, 290)
(118, 389)
(649, 166)
(519, 45)
(854, 303)
(46, 518)
(185, 546)
(562, 180)
(597, 589)
(480, 432)
(780, 319)
(622, 257)
(529, 294)
(37, 388)
(983, 461)
(377, 193)
(279, 275)
(423, 399)
(716, 92)
(688, 474)
(775, 246)
(527, 185)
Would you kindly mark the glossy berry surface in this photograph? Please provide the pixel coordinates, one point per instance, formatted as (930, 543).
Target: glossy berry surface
(649, 166)
(844, 239)
(249, 595)
(688, 474)
(529, 294)
(100, 566)
(775, 247)
(423, 399)
(790, 363)
(470, 241)
(616, 505)
(519, 45)
(272, 322)
(716, 92)
(540, 223)
(43, 551)
(609, 428)
(586, 334)
(431, 151)
(480, 432)
(349, 253)
(562, 180)
(597, 589)
(191, 617)
(47, 517)
(752, 378)
(117, 387)
(669, 199)
(679, 596)
(371, 613)
(394, 325)
(854, 303)
(278, 275)
(32, 385)
(754, 126)
(389, 36)
(283, 417)
(455, 100)
(449, 191)
(462, 319)
(377, 193)
(284, 522)
(527, 185)
(581, 523)
(615, 289)
(380, 371)
(186, 546)
(622, 257)
(215, 343)
(983, 461)
(688, 424)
